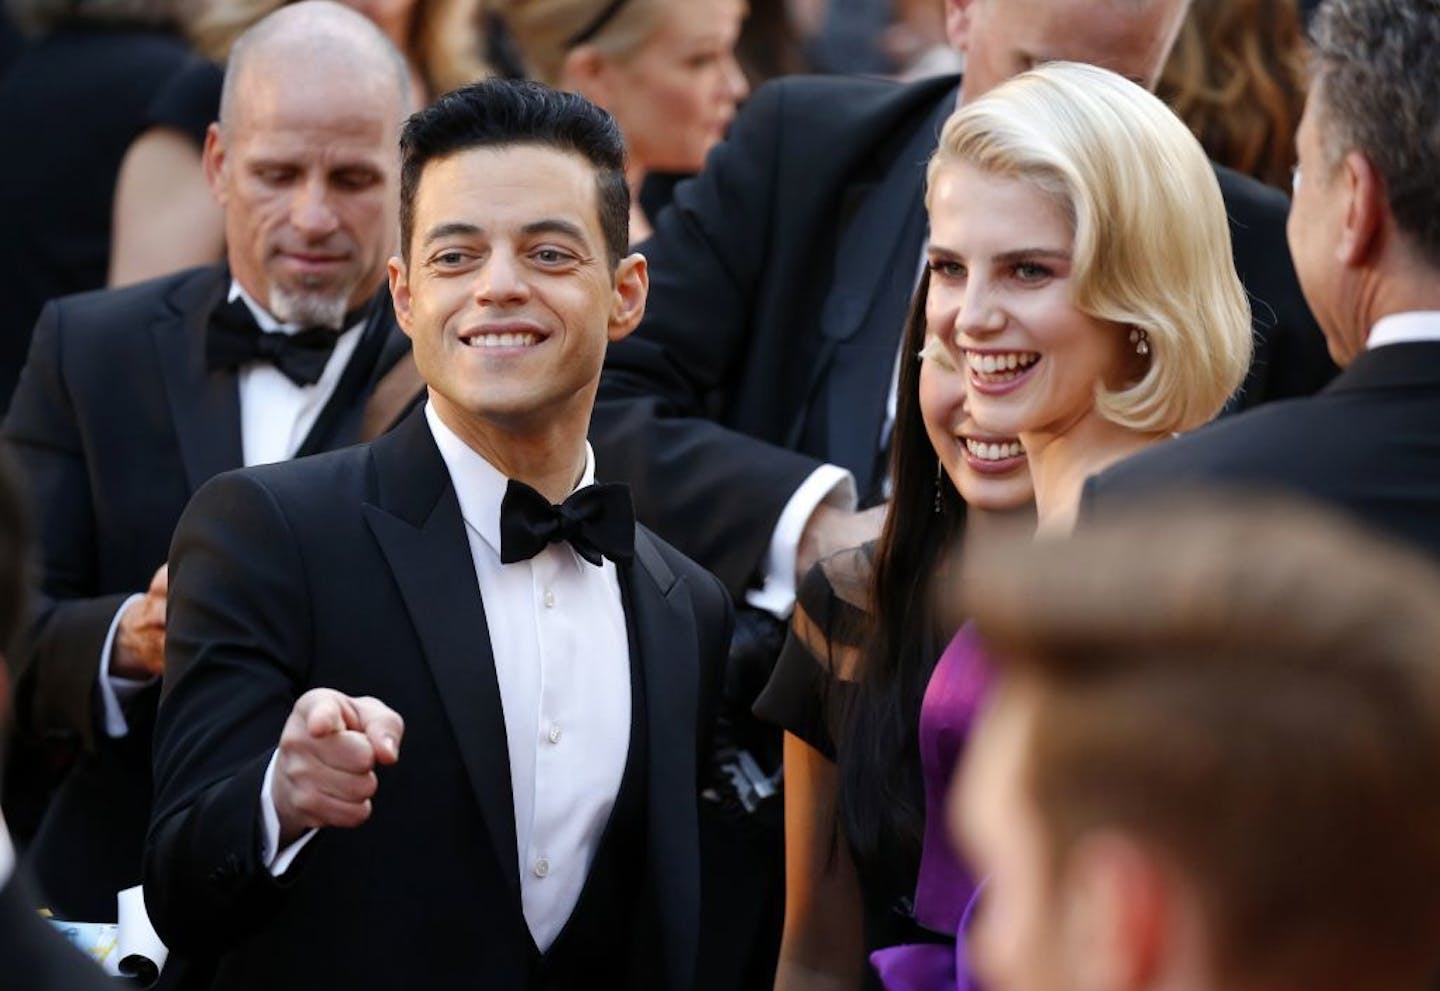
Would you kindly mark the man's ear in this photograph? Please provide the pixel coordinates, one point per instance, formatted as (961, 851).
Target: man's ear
(632, 285)
(1119, 908)
(400, 292)
(1367, 202)
(586, 71)
(213, 159)
(958, 14)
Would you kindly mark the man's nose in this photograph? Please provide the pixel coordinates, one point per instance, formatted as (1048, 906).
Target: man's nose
(311, 212)
(501, 279)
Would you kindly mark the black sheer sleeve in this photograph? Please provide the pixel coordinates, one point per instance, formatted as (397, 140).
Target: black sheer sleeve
(815, 673)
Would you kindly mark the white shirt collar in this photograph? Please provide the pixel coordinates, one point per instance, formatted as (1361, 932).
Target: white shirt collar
(479, 485)
(7, 854)
(1405, 328)
(263, 319)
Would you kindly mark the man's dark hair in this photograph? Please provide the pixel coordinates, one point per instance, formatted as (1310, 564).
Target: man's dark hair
(1377, 76)
(501, 113)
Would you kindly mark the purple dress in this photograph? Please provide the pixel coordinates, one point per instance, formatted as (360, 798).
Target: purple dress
(945, 892)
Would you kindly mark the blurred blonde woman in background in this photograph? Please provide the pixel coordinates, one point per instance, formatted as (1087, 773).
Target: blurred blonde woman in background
(665, 69)
(165, 218)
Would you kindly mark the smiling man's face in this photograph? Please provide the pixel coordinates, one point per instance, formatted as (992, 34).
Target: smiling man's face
(507, 295)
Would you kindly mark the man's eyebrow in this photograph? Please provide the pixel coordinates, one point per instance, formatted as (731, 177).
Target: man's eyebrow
(555, 225)
(451, 229)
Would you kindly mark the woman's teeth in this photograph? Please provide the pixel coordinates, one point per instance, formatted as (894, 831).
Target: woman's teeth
(1001, 367)
(987, 451)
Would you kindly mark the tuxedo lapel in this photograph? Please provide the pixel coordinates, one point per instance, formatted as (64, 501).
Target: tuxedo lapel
(204, 406)
(416, 520)
(876, 264)
(667, 652)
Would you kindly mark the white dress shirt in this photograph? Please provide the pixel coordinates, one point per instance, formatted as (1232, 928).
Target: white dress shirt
(1404, 328)
(275, 417)
(562, 659)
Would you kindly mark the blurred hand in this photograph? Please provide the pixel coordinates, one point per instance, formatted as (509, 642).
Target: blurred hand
(830, 530)
(139, 648)
(325, 768)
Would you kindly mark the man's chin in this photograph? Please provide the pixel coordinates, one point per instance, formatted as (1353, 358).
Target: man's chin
(310, 306)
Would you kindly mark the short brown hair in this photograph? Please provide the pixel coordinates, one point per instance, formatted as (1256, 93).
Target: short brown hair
(1253, 691)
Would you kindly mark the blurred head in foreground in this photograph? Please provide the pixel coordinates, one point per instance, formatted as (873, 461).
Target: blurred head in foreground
(1210, 759)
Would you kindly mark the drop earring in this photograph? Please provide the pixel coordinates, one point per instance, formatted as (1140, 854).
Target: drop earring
(1141, 340)
(939, 480)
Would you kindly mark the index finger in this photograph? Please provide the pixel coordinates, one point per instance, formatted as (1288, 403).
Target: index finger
(383, 726)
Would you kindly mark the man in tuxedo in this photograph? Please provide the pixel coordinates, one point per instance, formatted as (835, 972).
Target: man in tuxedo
(1366, 243)
(31, 951)
(434, 705)
(133, 398)
(750, 411)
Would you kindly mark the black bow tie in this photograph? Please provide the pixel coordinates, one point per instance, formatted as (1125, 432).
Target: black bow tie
(597, 521)
(234, 339)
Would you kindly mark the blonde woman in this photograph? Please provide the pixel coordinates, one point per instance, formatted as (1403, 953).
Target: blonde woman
(1081, 281)
(665, 69)
(165, 218)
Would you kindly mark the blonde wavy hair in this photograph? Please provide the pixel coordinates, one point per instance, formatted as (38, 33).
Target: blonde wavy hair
(444, 42)
(542, 30)
(1152, 243)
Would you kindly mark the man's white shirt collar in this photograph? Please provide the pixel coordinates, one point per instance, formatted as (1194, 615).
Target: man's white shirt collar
(1405, 328)
(7, 854)
(479, 485)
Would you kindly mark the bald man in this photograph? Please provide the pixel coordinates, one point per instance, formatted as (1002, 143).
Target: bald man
(131, 399)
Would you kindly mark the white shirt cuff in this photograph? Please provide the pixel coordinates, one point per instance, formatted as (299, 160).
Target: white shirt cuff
(114, 690)
(828, 484)
(277, 861)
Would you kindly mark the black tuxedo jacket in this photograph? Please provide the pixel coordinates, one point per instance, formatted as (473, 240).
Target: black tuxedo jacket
(115, 424)
(352, 571)
(33, 956)
(779, 281)
(1369, 444)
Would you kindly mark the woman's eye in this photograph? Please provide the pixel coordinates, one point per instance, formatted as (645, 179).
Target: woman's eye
(1030, 272)
(947, 269)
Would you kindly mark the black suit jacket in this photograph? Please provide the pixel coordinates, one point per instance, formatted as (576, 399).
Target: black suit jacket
(779, 280)
(115, 424)
(352, 571)
(34, 957)
(1369, 444)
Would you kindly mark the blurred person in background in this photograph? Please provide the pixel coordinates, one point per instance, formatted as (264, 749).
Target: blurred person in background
(29, 947)
(165, 218)
(1209, 757)
(70, 104)
(847, 686)
(665, 69)
(1237, 78)
(1365, 235)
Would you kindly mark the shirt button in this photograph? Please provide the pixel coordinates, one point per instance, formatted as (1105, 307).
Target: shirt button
(542, 867)
(554, 734)
(549, 599)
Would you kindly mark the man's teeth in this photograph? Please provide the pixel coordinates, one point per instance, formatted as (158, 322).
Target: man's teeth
(502, 340)
(1000, 364)
(987, 451)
